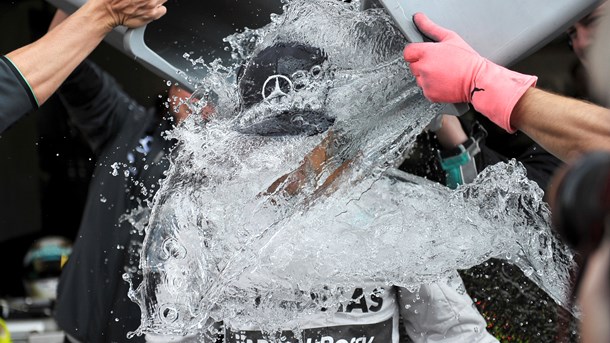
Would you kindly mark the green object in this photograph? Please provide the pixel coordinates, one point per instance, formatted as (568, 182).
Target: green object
(453, 167)
(459, 163)
(5, 336)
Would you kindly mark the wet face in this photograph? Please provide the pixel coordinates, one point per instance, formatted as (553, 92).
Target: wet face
(582, 33)
(177, 98)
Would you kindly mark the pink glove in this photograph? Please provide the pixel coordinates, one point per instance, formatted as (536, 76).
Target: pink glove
(450, 71)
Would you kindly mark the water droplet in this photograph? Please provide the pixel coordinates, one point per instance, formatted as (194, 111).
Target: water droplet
(173, 249)
(169, 315)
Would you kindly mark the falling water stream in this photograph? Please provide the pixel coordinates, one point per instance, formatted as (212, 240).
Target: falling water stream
(222, 243)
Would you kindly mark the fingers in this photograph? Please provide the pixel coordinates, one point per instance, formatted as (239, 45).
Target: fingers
(430, 29)
(160, 9)
(150, 9)
(144, 16)
(159, 12)
(147, 4)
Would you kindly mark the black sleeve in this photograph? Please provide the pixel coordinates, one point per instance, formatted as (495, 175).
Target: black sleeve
(539, 164)
(96, 104)
(16, 96)
(500, 146)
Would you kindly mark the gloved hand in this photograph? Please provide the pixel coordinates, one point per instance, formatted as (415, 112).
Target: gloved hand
(450, 71)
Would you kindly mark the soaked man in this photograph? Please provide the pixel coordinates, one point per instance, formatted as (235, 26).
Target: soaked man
(439, 312)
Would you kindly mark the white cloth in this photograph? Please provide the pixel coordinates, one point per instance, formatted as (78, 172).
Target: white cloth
(442, 312)
(438, 313)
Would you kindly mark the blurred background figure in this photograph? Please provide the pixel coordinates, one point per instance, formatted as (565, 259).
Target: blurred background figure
(580, 201)
(132, 156)
(581, 204)
(580, 37)
(42, 266)
(46, 164)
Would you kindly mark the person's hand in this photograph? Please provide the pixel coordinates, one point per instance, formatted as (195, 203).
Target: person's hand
(307, 178)
(129, 13)
(450, 71)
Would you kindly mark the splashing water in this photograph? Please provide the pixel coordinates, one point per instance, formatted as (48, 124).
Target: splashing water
(222, 243)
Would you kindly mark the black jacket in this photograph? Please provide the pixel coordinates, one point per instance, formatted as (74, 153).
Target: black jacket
(16, 97)
(92, 296)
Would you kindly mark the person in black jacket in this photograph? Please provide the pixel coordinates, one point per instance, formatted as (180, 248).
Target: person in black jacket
(93, 305)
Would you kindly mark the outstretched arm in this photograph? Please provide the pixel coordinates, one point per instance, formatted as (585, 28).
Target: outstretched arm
(450, 71)
(563, 126)
(46, 63)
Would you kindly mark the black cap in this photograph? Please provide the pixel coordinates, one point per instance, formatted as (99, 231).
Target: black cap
(271, 72)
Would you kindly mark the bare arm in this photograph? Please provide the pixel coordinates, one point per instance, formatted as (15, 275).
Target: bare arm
(451, 133)
(46, 63)
(563, 126)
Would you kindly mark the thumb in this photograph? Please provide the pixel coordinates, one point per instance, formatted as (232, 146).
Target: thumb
(430, 29)
(413, 52)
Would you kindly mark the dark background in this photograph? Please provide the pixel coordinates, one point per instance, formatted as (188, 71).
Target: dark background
(45, 166)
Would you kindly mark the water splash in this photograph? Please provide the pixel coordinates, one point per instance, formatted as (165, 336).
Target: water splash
(247, 228)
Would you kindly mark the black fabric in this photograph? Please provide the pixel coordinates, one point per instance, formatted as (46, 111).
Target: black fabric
(16, 98)
(501, 146)
(92, 296)
(498, 146)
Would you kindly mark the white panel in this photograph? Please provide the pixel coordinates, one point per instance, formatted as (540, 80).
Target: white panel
(504, 31)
